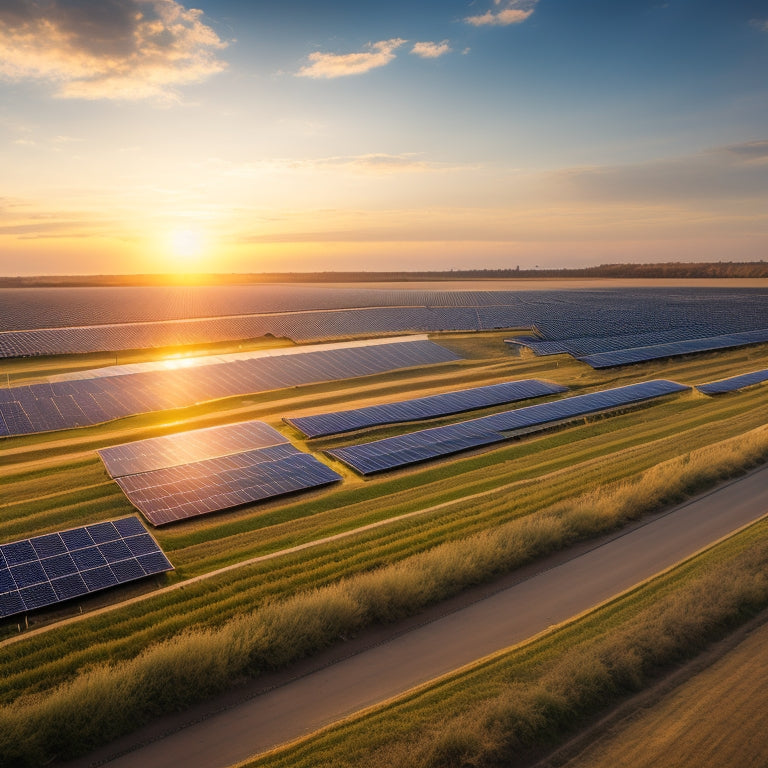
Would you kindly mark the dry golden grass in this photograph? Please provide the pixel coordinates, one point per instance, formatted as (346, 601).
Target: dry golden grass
(713, 720)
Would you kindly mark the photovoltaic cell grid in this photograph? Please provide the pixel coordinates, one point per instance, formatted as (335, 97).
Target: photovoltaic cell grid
(50, 569)
(423, 407)
(426, 444)
(74, 403)
(734, 383)
(58, 321)
(261, 464)
(674, 349)
(188, 447)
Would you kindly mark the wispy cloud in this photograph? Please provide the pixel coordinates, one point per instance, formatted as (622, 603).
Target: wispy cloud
(330, 65)
(507, 12)
(431, 50)
(377, 163)
(374, 163)
(734, 173)
(750, 151)
(107, 49)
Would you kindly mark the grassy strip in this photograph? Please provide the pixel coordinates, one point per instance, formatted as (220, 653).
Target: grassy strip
(107, 700)
(501, 710)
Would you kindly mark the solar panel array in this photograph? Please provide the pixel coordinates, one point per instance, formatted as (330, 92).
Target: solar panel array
(233, 465)
(734, 383)
(58, 321)
(674, 349)
(426, 444)
(187, 447)
(56, 567)
(422, 408)
(92, 400)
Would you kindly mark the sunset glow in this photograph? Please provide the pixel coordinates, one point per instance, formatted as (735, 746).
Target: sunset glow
(258, 136)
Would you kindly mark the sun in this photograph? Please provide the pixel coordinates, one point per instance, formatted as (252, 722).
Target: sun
(185, 250)
(187, 244)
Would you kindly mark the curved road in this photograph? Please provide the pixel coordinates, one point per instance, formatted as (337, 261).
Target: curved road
(549, 597)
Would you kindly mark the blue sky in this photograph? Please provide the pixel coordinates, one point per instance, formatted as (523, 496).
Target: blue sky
(153, 135)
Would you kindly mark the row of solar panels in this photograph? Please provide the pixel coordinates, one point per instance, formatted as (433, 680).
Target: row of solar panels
(613, 351)
(415, 409)
(56, 567)
(81, 402)
(734, 383)
(673, 349)
(588, 345)
(299, 326)
(426, 444)
(557, 314)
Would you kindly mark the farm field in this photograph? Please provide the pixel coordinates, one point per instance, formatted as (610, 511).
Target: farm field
(716, 718)
(261, 557)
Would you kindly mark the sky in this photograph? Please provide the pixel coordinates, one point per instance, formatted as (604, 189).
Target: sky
(141, 136)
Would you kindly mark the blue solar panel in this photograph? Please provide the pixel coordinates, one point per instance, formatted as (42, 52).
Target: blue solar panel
(188, 447)
(734, 383)
(79, 538)
(174, 492)
(400, 451)
(674, 349)
(39, 572)
(128, 392)
(422, 408)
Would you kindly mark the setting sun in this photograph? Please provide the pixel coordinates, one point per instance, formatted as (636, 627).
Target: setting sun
(187, 243)
(186, 248)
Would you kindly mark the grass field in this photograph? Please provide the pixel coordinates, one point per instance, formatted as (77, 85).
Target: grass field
(511, 503)
(716, 718)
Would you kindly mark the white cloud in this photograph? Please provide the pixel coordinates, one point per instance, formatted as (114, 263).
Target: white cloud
(330, 65)
(107, 49)
(431, 50)
(512, 12)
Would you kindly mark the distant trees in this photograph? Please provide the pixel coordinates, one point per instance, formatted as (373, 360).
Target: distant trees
(666, 270)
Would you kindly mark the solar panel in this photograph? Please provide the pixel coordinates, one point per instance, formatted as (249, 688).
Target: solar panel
(187, 447)
(56, 567)
(734, 383)
(674, 349)
(237, 464)
(423, 407)
(426, 444)
(153, 387)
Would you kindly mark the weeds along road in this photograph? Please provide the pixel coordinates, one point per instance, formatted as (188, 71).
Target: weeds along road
(549, 597)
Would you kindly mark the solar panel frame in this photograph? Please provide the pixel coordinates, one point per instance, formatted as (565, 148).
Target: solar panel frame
(53, 568)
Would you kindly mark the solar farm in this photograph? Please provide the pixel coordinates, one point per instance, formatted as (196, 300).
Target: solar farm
(169, 468)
